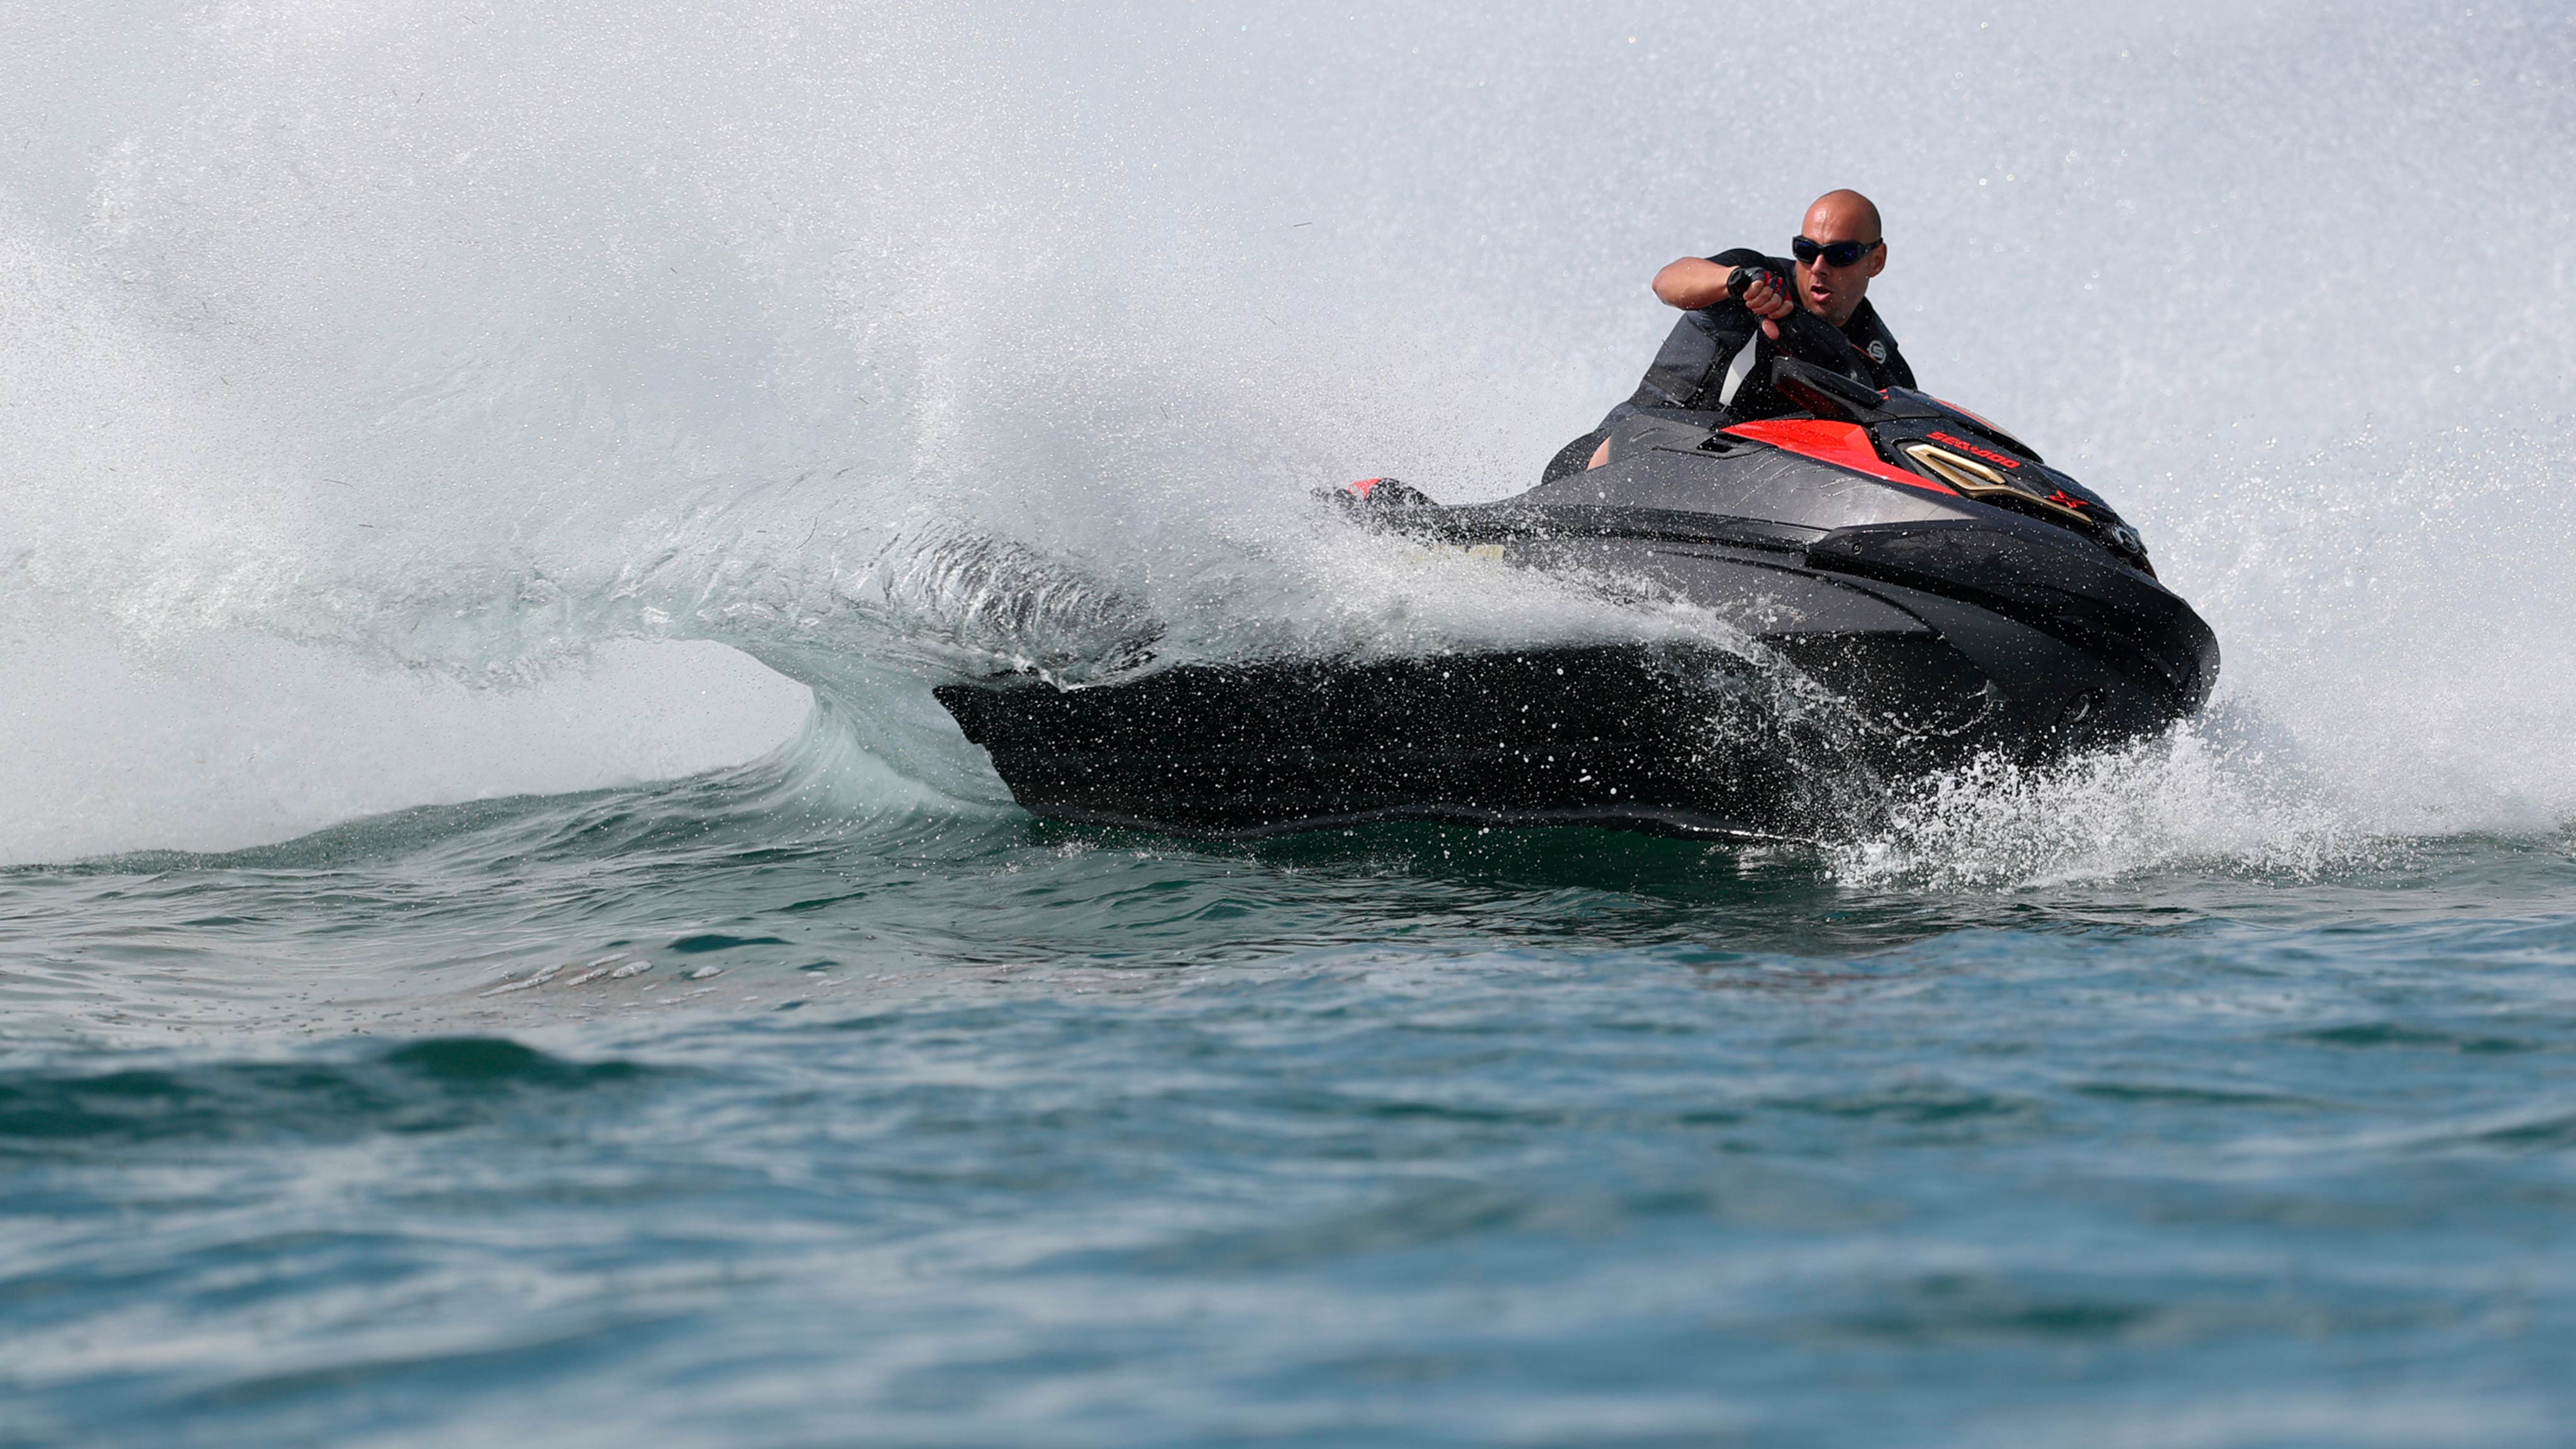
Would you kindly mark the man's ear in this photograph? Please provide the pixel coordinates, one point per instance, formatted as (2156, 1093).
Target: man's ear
(1878, 259)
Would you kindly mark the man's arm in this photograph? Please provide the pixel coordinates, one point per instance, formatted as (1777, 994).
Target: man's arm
(1692, 283)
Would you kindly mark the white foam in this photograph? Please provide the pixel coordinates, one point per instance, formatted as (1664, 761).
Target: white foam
(529, 982)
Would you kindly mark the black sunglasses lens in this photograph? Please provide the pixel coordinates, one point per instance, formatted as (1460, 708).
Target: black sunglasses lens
(1838, 254)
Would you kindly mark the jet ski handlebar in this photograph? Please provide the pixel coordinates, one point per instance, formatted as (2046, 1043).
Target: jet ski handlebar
(1744, 278)
(1827, 393)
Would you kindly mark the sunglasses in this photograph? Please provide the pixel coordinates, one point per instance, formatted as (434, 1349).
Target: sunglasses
(1836, 254)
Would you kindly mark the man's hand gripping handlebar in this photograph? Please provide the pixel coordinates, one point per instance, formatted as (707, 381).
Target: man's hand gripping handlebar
(1763, 294)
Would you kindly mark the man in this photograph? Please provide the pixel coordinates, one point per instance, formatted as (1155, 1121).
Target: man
(1719, 354)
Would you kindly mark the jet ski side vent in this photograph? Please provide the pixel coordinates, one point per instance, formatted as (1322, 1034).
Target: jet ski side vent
(1983, 483)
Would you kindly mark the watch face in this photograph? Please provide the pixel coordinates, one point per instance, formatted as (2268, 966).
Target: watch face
(1878, 352)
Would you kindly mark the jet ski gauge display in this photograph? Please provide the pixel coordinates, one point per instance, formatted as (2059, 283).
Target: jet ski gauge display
(1909, 588)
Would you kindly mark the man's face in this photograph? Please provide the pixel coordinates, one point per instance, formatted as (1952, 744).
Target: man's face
(1831, 292)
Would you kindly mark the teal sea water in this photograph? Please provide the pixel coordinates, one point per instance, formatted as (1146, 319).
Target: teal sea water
(498, 945)
(634, 1115)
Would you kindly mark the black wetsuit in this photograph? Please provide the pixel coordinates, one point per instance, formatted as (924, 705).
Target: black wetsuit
(1718, 357)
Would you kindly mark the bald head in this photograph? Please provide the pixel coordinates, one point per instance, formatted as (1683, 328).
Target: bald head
(1845, 213)
(1836, 292)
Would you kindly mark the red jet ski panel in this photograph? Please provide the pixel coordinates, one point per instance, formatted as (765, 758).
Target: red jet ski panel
(1845, 445)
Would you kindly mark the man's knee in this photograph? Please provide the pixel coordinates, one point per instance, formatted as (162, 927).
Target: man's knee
(1575, 456)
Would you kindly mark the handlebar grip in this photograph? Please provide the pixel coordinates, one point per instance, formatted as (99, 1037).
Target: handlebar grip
(1745, 277)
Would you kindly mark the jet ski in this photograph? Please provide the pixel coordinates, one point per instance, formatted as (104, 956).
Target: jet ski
(1905, 587)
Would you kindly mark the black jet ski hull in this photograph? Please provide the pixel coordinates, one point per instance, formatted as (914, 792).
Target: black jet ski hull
(1632, 736)
(1879, 629)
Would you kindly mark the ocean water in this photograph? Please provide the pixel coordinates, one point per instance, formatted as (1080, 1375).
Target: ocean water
(498, 944)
